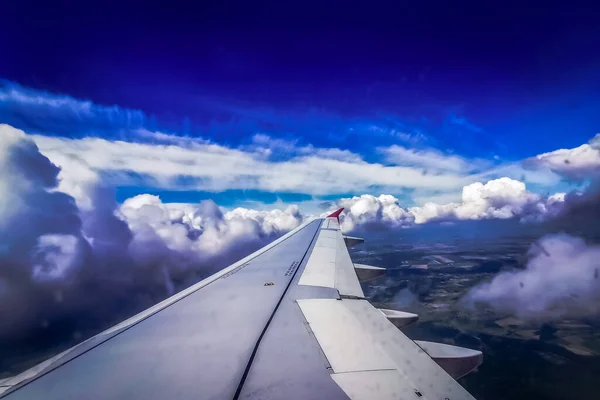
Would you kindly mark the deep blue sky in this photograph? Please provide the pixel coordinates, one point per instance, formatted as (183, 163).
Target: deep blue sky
(524, 77)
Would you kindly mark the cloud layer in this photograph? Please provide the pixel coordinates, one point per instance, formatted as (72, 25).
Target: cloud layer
(560, 279)
(267, 165)
(502, 198)
(578, 163)
(192, 166)
(71, 257)
(199, 234)
(429, 159)
(37, 110)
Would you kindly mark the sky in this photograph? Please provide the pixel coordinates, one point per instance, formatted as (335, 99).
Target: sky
(143, 147)
(481, 80)
(405, 113)
(475, 85)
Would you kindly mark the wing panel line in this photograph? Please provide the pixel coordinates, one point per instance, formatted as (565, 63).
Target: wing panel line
(255, 350)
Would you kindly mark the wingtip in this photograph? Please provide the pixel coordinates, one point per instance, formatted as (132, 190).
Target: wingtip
(336, 214)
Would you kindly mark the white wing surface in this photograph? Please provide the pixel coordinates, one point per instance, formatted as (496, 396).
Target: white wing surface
(287, 322)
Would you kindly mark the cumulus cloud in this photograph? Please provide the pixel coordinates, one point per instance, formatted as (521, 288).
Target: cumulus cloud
(577, 163)
(580, 166)
(197, 234)
(566, 167)
(40, 229)
(272, 221)
(55, 256)
(29, 208)
(502, 198)
(561, 279)
(65, 268)
(368, 210)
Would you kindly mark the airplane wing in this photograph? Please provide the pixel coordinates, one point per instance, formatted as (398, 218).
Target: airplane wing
(289, 321)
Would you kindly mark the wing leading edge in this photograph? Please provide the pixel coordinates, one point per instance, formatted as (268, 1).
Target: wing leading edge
(289, 321)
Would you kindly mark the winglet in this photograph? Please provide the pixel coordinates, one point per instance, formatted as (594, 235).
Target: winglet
(336, 214)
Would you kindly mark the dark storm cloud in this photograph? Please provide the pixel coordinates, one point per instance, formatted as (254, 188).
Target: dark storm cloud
(67, 272)
(560, 280)
(561, 277)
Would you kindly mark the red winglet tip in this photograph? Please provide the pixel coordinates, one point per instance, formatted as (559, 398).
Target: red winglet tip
(336, 214)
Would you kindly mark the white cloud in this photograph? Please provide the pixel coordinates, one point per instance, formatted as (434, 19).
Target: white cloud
(502, 198)
(55, 256)
(499, 198)
(211, 167)
(52, 243)
(26, 182)
(92, 252)
(202, 230)
(85, 259)
(275, 149)
(272, 221)
(577, 163)
(563, 167)
(429, 159)
(433, 212)
(76, 178)
(415, 137)
(367, 209)
(595, 141)
(278, 165)
(420, 197)
(85, 159)
(31, 102)
(525, 171)
(560, 280)
(166, 139)
(33, 98)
